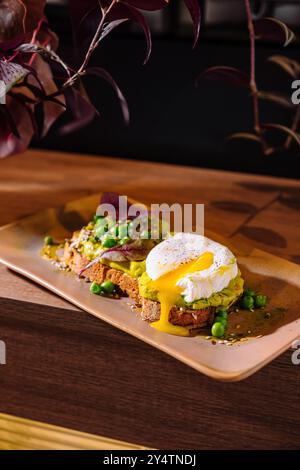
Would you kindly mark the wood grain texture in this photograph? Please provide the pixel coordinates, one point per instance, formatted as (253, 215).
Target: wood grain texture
(67, 368)
(24, 434)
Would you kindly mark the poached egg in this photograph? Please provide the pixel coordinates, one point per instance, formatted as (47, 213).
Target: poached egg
(191, 266)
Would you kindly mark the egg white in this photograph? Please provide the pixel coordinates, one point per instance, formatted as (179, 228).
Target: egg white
(184, 247)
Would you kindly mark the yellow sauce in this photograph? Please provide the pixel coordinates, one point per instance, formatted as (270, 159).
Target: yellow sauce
(169, 292)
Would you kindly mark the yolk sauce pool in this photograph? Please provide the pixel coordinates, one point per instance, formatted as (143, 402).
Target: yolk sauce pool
(169, 292)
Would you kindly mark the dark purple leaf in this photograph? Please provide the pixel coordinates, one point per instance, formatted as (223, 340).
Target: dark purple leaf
(136, 250)
(111, 198)
(8, 119)
(32, 71)
(83, 111)
(11, 73)
(264, 235)
(11, 19)
(151, 5)
(195, 12)
(272, 29)
(54, 107)
(229, 75)
(9, 143)
(122, 11)
(98, 71)
(29, 109)
(109, 27)
(235, 206)
(23, 97)
(46, 53)
(34, 11)
(9, 45)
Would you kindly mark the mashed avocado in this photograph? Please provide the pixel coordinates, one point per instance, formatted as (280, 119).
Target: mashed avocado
(133, 268)
(224, 298)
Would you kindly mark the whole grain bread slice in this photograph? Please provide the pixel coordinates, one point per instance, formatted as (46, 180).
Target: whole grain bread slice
(150, 310)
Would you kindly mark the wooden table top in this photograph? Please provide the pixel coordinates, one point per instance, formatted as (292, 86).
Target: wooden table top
(67, 368)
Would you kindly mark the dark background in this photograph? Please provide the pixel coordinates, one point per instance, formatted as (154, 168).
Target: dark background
(172, 120)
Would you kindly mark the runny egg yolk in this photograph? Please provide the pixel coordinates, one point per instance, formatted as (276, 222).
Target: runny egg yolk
(169, 292)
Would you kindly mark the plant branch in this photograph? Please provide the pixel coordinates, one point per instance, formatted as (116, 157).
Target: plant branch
(253, 84)
(93, 45)
(294, 128)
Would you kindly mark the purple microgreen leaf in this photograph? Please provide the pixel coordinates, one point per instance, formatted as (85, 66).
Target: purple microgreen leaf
(100, 72)
(136, 250)
(229, 75)
(195, 12)
(272, 29)
(113, 199)
(110, 198)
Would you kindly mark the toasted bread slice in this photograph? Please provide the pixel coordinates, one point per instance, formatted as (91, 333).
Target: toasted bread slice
(178, 315)
(150, 310)
(99, 273)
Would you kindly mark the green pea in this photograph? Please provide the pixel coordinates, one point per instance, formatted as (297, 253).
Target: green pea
(48, 240)
(108, 287)
(124, 240)
(222, 312)
(222, 320)
(96, 288)
(123, 230)
(249, 292)
(260, 301)
(100, 227)
(217, 330)
(109, 242)
(247, 302)
(114, 230)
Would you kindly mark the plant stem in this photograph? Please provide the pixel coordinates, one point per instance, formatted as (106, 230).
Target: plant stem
(253, 84)
(95, 41)
(295, 125)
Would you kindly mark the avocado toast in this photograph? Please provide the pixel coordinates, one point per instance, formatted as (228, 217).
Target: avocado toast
(103, 253)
